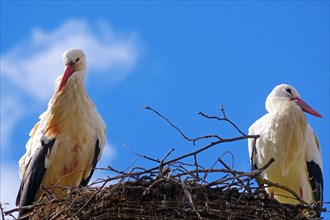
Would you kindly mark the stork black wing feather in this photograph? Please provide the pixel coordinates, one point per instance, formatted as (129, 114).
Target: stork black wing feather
(95, 159)
(316, 180)
(33, 176)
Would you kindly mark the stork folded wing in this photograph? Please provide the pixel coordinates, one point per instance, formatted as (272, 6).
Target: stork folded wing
(95, 159)
(33, 175)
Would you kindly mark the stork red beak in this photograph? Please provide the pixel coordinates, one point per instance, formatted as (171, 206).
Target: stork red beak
(305, 107)
(67, 73)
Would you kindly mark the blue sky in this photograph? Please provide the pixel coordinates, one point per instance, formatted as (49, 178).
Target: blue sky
(177, 57)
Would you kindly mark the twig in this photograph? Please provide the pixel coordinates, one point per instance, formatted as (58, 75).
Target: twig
(230, 122)
(272, 184)
(232, 158)
(228, 168)
(166, 155)
(224, 118)
(140, 155)
(18, 209)
(196, 165)
(188, 195)
(2, 214)
(161, 166)
(97, 191)
(181, 133)
(168, 121)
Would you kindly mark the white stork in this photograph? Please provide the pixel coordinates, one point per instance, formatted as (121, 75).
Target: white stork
(286, 136)
(66, 144)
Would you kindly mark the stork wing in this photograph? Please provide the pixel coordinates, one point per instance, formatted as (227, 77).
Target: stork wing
(314, 165)
(97, 153)
(316, 180)
(33, 175)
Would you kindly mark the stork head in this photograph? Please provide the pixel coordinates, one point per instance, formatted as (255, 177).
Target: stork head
(74, 66)
(286, 94)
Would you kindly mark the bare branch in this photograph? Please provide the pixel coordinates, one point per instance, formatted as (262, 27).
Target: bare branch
(224, 118)
(140, 155)
(2, 213)
(181, 133)
(294, 194)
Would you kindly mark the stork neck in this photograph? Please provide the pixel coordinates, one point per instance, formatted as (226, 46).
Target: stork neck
(73, 97)
(67, 106)
(290, 112)
(289, 127)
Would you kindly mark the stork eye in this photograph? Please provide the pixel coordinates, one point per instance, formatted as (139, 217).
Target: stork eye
(289, 91)
(77, 59)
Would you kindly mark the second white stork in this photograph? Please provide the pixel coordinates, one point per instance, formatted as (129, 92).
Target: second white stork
(286, 136)
(66, 144)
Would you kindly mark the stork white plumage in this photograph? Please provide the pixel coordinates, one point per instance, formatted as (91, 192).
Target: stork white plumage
(286, 136)
(66, 144)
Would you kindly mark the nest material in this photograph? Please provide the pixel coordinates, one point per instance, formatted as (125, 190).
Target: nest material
(164, 199)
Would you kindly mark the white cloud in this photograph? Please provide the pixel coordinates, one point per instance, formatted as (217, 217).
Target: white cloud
(109, 152)
(11, 113)
(34, 65)
(9, 185)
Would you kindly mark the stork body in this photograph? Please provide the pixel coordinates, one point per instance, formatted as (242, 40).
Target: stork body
(286, 136)
(67, 142)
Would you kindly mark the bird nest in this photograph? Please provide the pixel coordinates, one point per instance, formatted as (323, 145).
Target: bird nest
(174, 189)
(168, 197)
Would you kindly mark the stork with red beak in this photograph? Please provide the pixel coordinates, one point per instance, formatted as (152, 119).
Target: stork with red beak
(66, 144)
(286, 136)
